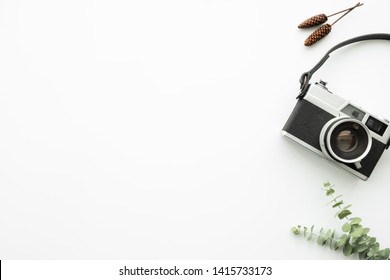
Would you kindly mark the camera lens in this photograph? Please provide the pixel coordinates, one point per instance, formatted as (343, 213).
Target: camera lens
(346, 140)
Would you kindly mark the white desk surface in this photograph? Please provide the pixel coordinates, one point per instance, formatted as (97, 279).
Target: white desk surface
(151, 129)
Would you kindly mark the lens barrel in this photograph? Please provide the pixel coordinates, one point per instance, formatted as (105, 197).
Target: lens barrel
(345, 139)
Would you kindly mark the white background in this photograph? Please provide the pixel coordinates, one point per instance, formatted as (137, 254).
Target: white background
(151, 129)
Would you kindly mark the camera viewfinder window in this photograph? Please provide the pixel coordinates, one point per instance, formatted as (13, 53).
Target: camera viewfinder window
(376, 126)
(353, 112)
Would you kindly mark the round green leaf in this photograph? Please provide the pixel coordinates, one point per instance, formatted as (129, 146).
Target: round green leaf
(347, 250)
(338, 204)
(373, 250)
(371, 241)
(357, 231)
(361, 248)
(329, 192)
(346, 227)
(295, 230)
(343, 239)
(355, 221)
(344, 213)
(320, 240)
(328, 234)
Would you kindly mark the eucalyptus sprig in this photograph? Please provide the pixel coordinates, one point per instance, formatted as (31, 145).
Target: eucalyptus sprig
(355, 238)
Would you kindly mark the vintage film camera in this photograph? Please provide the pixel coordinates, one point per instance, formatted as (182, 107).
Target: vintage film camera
(334, 128)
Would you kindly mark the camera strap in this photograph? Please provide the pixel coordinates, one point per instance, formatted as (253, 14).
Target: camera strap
(305, 77)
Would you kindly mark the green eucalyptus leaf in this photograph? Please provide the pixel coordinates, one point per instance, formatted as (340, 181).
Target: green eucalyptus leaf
(366, 230)
(370, 253)
(371, 241)
(326, 184)
(342, 241)
(295, 230)
(335, 199)
(346, 227)
(347, 250)
(364, 239)
(329, 192)
(384, 254)
(374, 249)
(320, 240)
(343, 214)
(332, 240)
(363, 255)
(355, 241)
(348, 206)
(311, 233)
(328, 234)
(357, 231)
(338, 204)
(355, 221)
(333, 244)
(361, 248)
(387, 253)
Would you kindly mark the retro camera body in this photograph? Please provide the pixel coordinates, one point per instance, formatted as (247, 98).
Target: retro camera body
(337, 130)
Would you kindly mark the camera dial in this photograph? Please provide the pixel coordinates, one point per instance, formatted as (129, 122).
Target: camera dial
(345, 140)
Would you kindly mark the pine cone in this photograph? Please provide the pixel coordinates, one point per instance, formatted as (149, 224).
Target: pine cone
(313, 21)
(318, 34)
